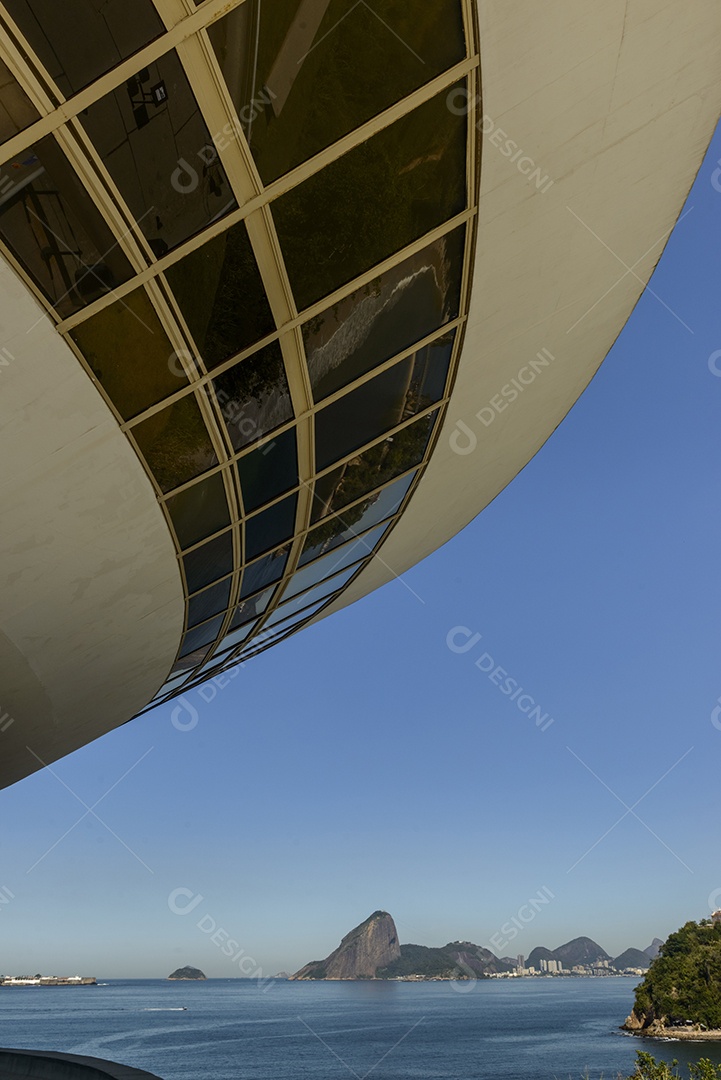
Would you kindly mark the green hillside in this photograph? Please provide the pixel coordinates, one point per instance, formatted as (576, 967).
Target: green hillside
(684, 981)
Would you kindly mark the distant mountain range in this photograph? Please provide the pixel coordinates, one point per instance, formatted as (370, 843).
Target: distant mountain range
(372, 951)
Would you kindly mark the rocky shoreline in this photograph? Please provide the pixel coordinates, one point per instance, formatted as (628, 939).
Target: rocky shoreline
(658, 1030)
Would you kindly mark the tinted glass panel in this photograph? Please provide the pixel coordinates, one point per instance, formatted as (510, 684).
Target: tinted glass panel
(375, 323)
(375, 200)
(201, 635)
(335, 561)
(382, 402)
(210, 602)
(269, 470)
(368, 470)
(235, 639)
(175, 443)
(337, 530)
(199, 511)
(304, 74)
(253, 396)
(54, 229)
(130, 354)
(272, 527)
(325, 588)
(16, 108)
(265, 571)
(221, 295)
(78, 40)
(187, 661)
(142, 130)
(251, 608)
(293, 616)
(209, 562)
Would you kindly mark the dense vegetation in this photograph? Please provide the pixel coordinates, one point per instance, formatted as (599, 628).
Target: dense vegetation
(647, 1068)
(684, 981)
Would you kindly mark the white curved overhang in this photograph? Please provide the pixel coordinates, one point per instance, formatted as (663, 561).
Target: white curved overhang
(92, 602)
(608, 109)
(615, 104)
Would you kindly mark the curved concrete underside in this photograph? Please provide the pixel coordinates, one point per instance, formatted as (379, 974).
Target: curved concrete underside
(91, 609)
(47, 1065)
(615, 103)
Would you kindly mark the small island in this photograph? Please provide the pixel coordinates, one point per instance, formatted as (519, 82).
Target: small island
(680, 997)
(187, 973)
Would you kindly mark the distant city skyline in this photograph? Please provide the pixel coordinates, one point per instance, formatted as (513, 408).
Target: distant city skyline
(367, 764)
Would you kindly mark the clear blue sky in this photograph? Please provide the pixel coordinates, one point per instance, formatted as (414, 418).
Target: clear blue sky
(363, 764)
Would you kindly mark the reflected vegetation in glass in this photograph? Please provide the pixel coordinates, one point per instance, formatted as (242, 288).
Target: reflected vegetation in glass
(130, 354)
(220, 293)
(302, 75)
(375, 200)
(55, 230)
(383, 402)
(355, 520)
(142, 131)
(373, 467)
(176, 444)
(270, 528)
(16, 109)
(199, 511)
(206, 564)
(385, 317)
(253, 396)
(78, 40)
(355, 550)
(269, 471)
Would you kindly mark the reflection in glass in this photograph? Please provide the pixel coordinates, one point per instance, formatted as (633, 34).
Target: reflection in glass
(375, 323)
(231, 641)
(253, 396)
(209, 602)
(375, 200)
(323, 589)
(201, 635)
(293, 616)
(304, 73)
(358, 548)
(357, 519)
(187, 661)
(270, 528)
(208, 563)
(199, 511)
(55, 231)
(153, 140)
(130, 354)
(221, 295)
(16, 109)
(373, 467)
(175, 443)
(383, 402)
(251, 608)
(269, 471)
(265, 571)
(78, 40)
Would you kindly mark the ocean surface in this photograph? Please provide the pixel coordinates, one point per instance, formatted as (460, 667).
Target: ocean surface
(226, 1029)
